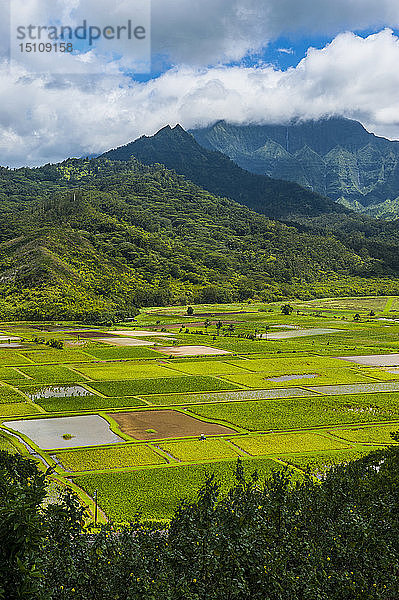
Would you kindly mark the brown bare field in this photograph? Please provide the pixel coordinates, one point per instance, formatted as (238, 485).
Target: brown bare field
(191, 350)
(165, 424)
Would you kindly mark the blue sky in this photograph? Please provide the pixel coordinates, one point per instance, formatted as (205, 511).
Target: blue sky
(286, 52)
(246, 61)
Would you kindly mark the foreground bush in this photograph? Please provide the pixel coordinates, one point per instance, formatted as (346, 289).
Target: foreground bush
(272, 540)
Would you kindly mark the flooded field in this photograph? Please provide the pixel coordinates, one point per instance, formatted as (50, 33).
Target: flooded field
(283, 335)
(155, 424)
(59, 391)
(292, 377)
(358, 388)
(66, 432)
(191, 350)
(231, 396)
(374, 360)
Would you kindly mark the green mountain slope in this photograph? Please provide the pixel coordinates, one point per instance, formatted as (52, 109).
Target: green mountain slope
(334, 157)
(308, 212)
(178, 150)
(101, 237)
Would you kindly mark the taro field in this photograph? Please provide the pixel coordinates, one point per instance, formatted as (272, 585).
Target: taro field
(140, 413)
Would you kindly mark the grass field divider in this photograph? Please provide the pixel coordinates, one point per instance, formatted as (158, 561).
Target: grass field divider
(201, 403)
(114, 426)
(45, 460)
(388, 305)
(225, 380)
(87, 501)
(77, 372)
(87, 387)
(209, 420)
(20, 354)
(188, 438)
(244, 369)
(28, 377)
(170, 465)
(97, 393)
(375, 379)
(280, 461)
(59, 463)
(15, 441)
(26, 398)
(167, 455)
(244, 452)
(74, 413)
(362, 443)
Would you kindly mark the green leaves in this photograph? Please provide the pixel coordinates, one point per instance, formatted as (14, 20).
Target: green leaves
(22, 489)
(274, 539)
(101, 238)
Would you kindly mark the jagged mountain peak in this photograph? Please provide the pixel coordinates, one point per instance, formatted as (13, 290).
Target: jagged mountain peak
(348, 164)
(178, 149)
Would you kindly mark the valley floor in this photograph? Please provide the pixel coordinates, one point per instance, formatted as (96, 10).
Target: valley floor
(140, 413)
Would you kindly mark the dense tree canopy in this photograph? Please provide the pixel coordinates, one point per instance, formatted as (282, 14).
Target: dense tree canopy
(283, 538)
(93, 239)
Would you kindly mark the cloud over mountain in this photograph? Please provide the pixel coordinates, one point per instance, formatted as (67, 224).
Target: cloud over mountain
(45, 120)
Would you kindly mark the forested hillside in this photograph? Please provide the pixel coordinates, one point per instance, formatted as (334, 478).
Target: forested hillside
(94, 237)
(306, 211)
(335, 157)
(215, 172)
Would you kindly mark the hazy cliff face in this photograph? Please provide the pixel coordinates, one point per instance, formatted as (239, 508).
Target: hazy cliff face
(337, 158)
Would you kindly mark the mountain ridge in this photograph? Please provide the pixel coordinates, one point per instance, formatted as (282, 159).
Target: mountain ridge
(93, 239)
(178, 150)
(347, 163)
(102, 237)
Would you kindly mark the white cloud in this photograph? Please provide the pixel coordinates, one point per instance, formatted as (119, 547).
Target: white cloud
(285, 50)
(210, 32)
(213, 31)
(42, 121)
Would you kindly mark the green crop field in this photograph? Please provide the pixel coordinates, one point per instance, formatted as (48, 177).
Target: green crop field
(367, 435)
(9, 395)
(20, 409)
(119, 353)
(7, 446)
(200, 450)
(55, 356)
(130, 370)
(209, 367)
(83, 403)
(162, 385)
(51, 374)
(293, 413)
(282, 366)
(95, 459)
(380, 374)
(287, 442)
(320, 462)
(155, 493)
(340, 412)
(8, 358)
(12, 375)
(319, 377)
